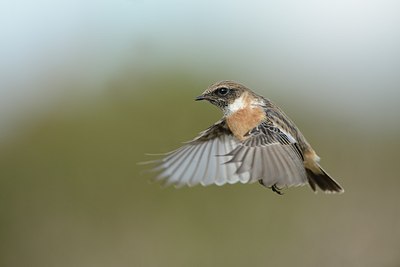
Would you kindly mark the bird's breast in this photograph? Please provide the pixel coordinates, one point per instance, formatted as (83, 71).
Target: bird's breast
(244, 120)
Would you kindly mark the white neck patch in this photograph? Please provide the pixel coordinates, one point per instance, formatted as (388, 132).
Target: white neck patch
(238, 104)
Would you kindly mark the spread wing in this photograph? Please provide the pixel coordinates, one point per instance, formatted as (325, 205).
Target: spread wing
(269, 154)
(203, 159)
(272, 155)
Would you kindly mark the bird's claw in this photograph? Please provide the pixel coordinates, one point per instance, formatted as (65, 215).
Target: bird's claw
(276, 189)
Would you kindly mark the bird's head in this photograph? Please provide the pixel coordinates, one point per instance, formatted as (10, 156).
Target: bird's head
(229, 96)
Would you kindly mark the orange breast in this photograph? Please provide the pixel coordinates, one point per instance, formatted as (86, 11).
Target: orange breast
(244, 120)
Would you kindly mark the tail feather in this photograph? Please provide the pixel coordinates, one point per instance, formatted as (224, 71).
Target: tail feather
(323, 181)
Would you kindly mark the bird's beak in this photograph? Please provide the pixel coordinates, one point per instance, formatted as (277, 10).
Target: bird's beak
(200, 97)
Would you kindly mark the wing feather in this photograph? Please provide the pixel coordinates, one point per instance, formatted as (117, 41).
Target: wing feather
(203, 160)
(192, 172)
(200, 170)
(207, 169)
(181, 167)
(280, 161)
(269, 154)
(172, 163)
(219, 168)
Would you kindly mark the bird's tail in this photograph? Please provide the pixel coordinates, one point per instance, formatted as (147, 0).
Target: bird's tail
(323, 181)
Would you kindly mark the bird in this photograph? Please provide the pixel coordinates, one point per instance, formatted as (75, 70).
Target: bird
(254, 141)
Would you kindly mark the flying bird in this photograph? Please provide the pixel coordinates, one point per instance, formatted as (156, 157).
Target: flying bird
(254, 141)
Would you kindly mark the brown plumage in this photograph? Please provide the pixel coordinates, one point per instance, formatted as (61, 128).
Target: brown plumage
(254, 141)
(245, 119)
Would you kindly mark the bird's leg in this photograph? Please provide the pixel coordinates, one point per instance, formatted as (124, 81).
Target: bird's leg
(276, 189)
(273, 188)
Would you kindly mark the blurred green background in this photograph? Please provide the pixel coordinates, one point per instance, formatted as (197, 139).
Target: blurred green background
(87, 88)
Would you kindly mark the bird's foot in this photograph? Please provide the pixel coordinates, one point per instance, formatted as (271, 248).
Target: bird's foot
(276, 189)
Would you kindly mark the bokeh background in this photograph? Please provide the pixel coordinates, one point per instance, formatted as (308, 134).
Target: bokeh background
(88, 87)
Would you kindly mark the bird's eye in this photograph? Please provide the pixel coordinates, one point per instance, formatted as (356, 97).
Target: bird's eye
(222, 91)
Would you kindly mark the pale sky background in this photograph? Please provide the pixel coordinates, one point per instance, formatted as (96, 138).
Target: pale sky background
(343, 53)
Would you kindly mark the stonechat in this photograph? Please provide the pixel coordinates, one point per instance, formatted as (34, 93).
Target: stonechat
(254, 141)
